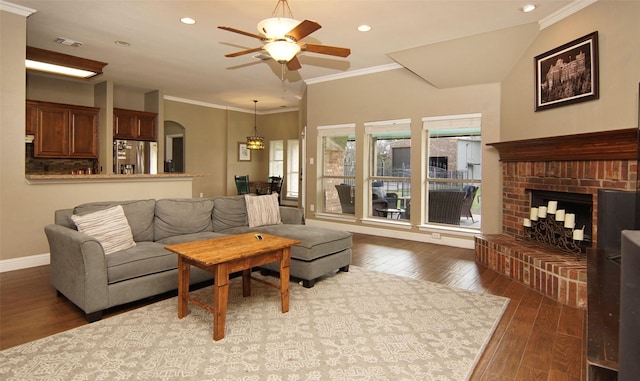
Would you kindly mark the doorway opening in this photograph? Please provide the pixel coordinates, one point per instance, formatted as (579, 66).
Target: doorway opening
(174, 152)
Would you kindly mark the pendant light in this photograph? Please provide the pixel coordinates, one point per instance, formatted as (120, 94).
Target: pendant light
(255, 142)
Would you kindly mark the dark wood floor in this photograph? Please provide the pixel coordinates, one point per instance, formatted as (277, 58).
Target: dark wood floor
(537, 338)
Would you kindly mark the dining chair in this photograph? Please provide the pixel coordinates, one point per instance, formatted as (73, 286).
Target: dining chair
(242, 184)
(275, 186)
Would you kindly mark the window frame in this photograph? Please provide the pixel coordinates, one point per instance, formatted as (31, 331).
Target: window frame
(347, 130)
(457, 124)
(381, 130)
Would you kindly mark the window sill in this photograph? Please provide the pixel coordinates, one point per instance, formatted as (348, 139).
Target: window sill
(453, 229)
(387, 222)
(336, 217)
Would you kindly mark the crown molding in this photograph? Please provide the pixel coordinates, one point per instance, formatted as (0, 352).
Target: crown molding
(17, 9)
(228, 108)
(564, 12)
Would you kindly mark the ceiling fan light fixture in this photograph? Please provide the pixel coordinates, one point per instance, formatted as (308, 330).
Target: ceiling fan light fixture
(282, 51)
(275, 28)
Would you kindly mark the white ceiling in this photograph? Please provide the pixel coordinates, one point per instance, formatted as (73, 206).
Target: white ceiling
(187, 61)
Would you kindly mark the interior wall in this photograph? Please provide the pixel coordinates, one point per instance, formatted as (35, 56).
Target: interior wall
(619, 64)
(43, 87)
(398, 94)
(204, 144)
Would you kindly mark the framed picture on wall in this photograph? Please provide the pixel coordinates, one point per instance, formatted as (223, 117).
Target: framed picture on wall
(567, 74)
(244, 153)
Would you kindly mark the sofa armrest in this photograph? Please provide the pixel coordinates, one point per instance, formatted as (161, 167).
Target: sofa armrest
(78, 268)
(292, 216)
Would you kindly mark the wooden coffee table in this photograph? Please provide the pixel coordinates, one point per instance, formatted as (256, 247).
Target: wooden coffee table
(226, 255)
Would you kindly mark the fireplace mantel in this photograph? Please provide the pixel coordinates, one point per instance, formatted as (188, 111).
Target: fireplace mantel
(603, 145)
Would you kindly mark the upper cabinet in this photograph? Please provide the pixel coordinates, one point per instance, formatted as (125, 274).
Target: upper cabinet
(136, 125)
(63, 131)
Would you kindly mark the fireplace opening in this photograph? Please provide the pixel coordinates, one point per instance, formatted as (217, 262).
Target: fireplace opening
(579, 205)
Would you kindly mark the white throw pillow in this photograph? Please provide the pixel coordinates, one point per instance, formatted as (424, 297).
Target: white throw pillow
(263, 210)
(109, 226)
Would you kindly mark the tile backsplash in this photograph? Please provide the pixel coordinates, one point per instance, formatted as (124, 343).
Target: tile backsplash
(50, 166)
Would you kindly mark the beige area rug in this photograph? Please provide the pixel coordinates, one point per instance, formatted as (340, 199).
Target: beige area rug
(359, 325)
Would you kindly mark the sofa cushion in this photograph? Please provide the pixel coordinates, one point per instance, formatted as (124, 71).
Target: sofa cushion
(144, 259)
(263, 210)
(182, 216)
(314, 243)
(229, 212)
(139, 213)
(109, 226)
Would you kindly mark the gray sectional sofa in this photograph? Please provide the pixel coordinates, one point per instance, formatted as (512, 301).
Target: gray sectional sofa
(93, 281)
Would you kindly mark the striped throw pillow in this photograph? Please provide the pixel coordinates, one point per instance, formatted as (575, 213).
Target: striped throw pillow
(262, 210)
(109, 226)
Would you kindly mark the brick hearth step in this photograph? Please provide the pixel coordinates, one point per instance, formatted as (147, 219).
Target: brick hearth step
(558, 275)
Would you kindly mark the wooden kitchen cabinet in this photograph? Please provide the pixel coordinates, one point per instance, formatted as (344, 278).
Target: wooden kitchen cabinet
(132, 124)
(63, 131)
(83, 134)
(32, 118)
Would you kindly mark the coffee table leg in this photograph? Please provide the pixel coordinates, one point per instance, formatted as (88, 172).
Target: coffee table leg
(184, 273)
(220, 298)
(246, 282)
(284, 278)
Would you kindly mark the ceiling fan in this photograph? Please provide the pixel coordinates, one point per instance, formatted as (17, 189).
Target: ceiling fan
(281, 36)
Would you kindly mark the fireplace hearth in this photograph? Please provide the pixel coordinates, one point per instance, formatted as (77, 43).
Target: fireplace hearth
(580, 165)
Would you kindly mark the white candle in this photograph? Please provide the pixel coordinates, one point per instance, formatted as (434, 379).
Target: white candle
(552, 206)
(542, 211)
(570, 220)
(560, 215)
(578, 235)
(526, 223)
(534, 214)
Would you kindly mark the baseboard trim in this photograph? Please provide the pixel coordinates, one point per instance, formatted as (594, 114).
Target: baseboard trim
(24, 262)
(465, 241)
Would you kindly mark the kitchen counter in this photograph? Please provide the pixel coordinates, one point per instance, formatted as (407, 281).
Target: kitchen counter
(69, 178)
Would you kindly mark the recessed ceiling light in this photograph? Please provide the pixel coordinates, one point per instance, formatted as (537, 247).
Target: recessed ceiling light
(188, 20)
(122, 43)
(364, 28)
(528, 8)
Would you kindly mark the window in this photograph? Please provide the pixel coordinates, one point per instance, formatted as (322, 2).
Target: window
(293, 168)
(389, 169)
(338, 148)
(454, 162)
(276, 158)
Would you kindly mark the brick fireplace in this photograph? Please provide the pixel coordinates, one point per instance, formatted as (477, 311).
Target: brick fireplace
(581, 164)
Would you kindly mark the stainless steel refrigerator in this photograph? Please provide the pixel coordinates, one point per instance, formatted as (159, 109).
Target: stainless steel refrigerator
(135, 157)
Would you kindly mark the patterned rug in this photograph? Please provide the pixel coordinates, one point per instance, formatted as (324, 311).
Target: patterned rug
(359, 325)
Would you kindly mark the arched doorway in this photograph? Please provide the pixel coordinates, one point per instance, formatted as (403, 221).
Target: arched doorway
(174, 152)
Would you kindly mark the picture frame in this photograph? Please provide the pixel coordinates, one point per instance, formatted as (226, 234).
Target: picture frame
(567, 74)
(244, 153)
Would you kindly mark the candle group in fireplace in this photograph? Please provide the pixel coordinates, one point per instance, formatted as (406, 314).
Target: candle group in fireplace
(568, 219)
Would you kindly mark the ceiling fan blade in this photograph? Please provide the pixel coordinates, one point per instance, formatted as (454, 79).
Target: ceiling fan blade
(294, 64)
(234, 30)
(325, 49)
(243, 52)
(303, 29)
